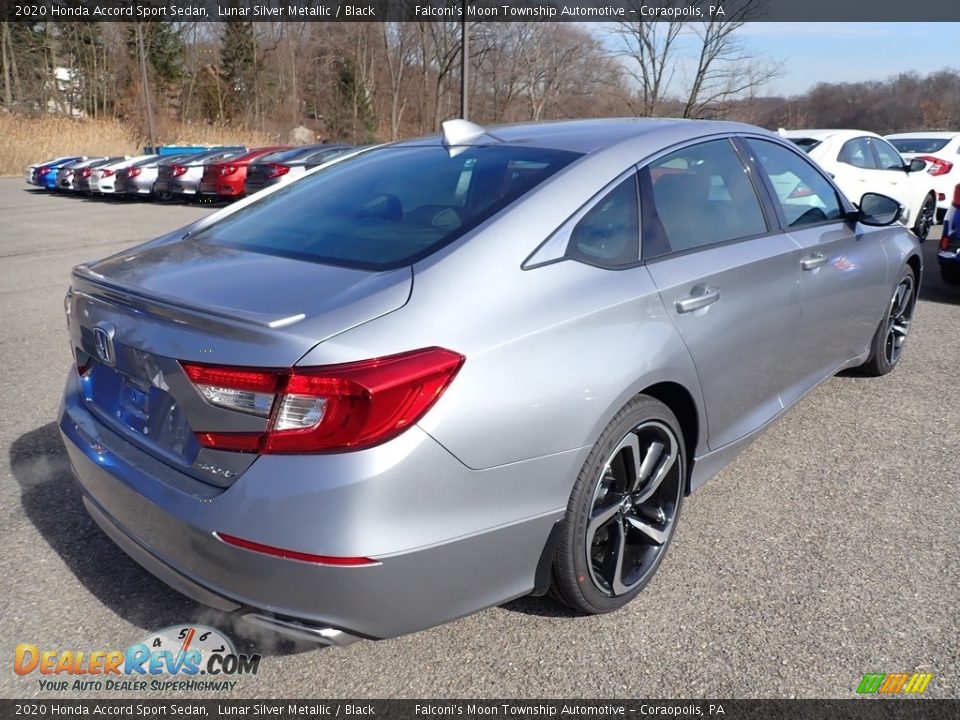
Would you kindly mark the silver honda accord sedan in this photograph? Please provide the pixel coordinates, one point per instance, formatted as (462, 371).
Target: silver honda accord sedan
(448, 372)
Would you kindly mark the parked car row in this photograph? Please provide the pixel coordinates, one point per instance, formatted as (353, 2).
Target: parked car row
(214, 173)
(861, 161)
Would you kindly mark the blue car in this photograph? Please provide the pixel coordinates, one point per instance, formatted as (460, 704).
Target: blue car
(948, 254)
(45, 175)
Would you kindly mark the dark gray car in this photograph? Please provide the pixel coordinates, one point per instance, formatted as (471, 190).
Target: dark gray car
(457, 370)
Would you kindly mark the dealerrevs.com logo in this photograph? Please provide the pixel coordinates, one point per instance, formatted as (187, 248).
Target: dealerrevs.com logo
(182, 658)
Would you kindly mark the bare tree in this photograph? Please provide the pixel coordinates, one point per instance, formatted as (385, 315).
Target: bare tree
(649, 48)
(398, 57)
(725, 68)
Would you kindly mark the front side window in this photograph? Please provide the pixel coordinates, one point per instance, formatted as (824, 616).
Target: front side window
(803, 194)
(889, 158)
(698, 196)
(388, 207)
(856, 152)
(608, 234)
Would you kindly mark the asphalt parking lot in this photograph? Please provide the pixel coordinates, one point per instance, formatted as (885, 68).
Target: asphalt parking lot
(831, 548)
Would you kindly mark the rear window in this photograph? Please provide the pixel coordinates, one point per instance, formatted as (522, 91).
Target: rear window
(918, 145)
(805, 144)
(387, 208)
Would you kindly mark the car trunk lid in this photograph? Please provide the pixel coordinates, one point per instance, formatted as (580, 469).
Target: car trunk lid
(135, 316)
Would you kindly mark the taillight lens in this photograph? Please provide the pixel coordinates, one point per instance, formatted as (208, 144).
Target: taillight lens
(134, 171)
(226, 169)
(936, 166)
(43, 171)
(275, 170)
(956, 196)
(178, 170)
(106, 173)
(325, 409)
(86, 172)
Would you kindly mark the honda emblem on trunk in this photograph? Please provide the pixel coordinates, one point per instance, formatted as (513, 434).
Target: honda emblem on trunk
(103, 343)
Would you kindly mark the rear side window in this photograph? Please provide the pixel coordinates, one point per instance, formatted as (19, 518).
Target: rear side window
(608, 234)
(698, 196)
(804, 195)
(388, 207)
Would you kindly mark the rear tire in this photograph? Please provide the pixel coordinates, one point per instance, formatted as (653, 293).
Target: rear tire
(623, 510)
(891, 335)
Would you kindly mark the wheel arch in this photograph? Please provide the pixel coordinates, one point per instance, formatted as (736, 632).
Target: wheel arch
(913, 260)
(681, 403)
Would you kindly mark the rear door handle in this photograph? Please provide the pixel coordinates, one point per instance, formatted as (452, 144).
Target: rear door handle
(695, 302)
(813, 262)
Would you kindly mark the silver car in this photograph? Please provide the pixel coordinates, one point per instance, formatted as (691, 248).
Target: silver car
(467, 368)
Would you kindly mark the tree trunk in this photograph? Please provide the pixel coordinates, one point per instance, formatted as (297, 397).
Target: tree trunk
(5, 51)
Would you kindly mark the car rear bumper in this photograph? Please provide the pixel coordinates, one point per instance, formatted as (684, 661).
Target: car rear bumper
(129, 187)
(436, 558)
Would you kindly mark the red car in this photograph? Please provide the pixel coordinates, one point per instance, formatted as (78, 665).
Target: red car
(225, 179)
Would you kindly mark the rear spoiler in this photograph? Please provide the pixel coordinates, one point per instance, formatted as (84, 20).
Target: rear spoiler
(97, 286)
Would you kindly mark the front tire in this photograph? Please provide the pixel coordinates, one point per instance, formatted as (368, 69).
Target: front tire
(891, 334)
(623, 510)
(926, 218)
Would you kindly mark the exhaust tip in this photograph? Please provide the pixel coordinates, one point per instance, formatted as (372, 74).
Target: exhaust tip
(327, 636)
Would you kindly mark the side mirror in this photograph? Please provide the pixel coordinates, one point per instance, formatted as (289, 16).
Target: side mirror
(916, 165)
(878, 210)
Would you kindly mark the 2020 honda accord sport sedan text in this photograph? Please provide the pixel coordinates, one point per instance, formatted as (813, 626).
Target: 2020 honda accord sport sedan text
(461, 369)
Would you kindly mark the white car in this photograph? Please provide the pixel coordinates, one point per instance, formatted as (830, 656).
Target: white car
(862, 161)
(103, 180)
(941, 151)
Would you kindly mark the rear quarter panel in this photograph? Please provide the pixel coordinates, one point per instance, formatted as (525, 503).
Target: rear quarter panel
(552, 352)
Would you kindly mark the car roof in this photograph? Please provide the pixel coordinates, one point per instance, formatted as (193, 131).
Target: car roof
(825, 134)
(586, 136)
(201, 158)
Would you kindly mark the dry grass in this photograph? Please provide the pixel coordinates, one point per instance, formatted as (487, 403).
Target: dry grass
(25, 141)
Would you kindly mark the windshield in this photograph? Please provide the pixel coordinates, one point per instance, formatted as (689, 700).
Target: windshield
(805, 144)
(387, 208)
(918, 145)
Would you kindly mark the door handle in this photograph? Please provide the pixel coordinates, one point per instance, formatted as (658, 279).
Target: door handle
(813, 262)
(695, 302)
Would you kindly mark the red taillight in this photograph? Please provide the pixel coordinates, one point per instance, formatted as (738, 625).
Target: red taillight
(936, 166)
(334, 408)
(106, 173)
(294, 554)
(956, 196)
(177, 170)
(85, 172)
(42, 171)
(224, 170)
(944, 240)
(276, 170)
(133, 172)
